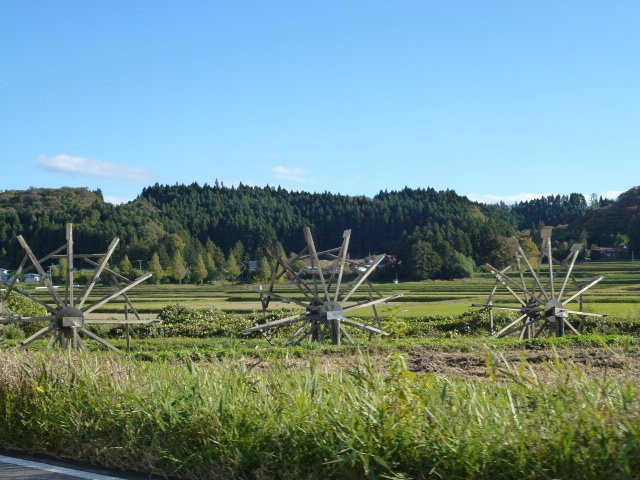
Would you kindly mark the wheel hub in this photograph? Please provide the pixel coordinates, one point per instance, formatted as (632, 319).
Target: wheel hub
(69, 317)
(331, 311)
(555, 309)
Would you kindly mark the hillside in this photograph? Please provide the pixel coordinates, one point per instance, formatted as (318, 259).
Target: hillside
(211, 221)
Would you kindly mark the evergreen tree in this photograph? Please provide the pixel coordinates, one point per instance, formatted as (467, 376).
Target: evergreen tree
(239, 252)
(212, 268)
(634, 234)
(423, 262)
(178, 269)
(199, 270)
(59, 272)
(263, 273)
(126, 268)
(156, 268)
(216, 253)
(164, 257)
(233, 269)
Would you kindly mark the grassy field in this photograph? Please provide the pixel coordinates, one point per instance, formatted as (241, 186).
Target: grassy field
(618, 294)
(439, 399)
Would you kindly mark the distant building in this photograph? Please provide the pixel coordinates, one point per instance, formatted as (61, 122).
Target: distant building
(4, 275)
(252, 265)
(32, 278)
(608, 252)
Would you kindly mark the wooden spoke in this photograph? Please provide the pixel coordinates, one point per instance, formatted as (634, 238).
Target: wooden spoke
(586, 314)
(26, 269)
(308, 292)
(566, 322)
(575, 251)
(95, 337)
(315, 261)
(276, 323)
(499, 307)
(108, 298)
(292, 340)
(347, 336)
(282, 298)
(502, 332)
(533, 273)
(346, 237)
(371, 303)
(582, 290)
(39, 334)
(367, 328)
(70, 268)
(31, 297)
(98, 271)
(506, 281)
(362, 277)
(38, 266)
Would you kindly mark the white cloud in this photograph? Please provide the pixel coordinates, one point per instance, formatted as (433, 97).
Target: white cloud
(291, 174)
(612, 194)
(508, 199)
(115, 200)
(88, 167)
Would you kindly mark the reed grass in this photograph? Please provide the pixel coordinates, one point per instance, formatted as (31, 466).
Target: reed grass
(241, 420)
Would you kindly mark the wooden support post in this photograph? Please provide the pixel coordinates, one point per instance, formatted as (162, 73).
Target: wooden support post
(126, 317)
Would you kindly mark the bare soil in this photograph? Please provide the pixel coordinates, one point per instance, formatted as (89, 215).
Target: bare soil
(593, 361)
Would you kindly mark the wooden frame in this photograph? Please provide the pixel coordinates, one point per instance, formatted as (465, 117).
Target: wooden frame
(68, 315)
(326, 301)
(542, 300)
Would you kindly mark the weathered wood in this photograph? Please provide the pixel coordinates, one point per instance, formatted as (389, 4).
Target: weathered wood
(98, 271)
(70, 268)
(40, 333)
(32, 298)
(582, 290)
(544, 307)
(346, 237)
(43, 274)
(66, 320)
(92, 335)
(276, 323)
(362, 277)
(371, 303)
(108, 298)
(315, 261)
(324, 317)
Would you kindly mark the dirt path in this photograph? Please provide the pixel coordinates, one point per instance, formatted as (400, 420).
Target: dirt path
(598, 361)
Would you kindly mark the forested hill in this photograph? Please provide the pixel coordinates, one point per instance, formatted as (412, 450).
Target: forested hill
(440, 231)
(256, 216)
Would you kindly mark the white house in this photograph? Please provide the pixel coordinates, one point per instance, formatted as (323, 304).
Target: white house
(4, 275)
(32, 278)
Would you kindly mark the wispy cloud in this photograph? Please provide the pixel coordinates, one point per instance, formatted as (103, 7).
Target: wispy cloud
(291, 174)
(612, 194)
(508, 199)
(87, 167)
(116, 200)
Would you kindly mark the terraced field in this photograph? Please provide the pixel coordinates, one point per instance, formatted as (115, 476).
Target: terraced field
(618, 294)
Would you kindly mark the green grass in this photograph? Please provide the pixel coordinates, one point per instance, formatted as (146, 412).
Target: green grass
(233, 421)
(226, 406)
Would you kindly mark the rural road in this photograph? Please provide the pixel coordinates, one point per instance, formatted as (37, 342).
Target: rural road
(19, 468)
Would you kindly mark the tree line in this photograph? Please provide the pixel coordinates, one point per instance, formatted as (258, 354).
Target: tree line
(200, 233)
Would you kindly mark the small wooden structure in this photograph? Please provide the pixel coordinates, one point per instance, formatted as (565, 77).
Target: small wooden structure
(543, 293)
(68, 314)
(326, 298)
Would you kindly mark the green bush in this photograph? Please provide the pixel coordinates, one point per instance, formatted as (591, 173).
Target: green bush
(13, 332)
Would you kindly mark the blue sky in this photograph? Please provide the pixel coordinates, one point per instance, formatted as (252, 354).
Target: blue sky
(496, 100)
